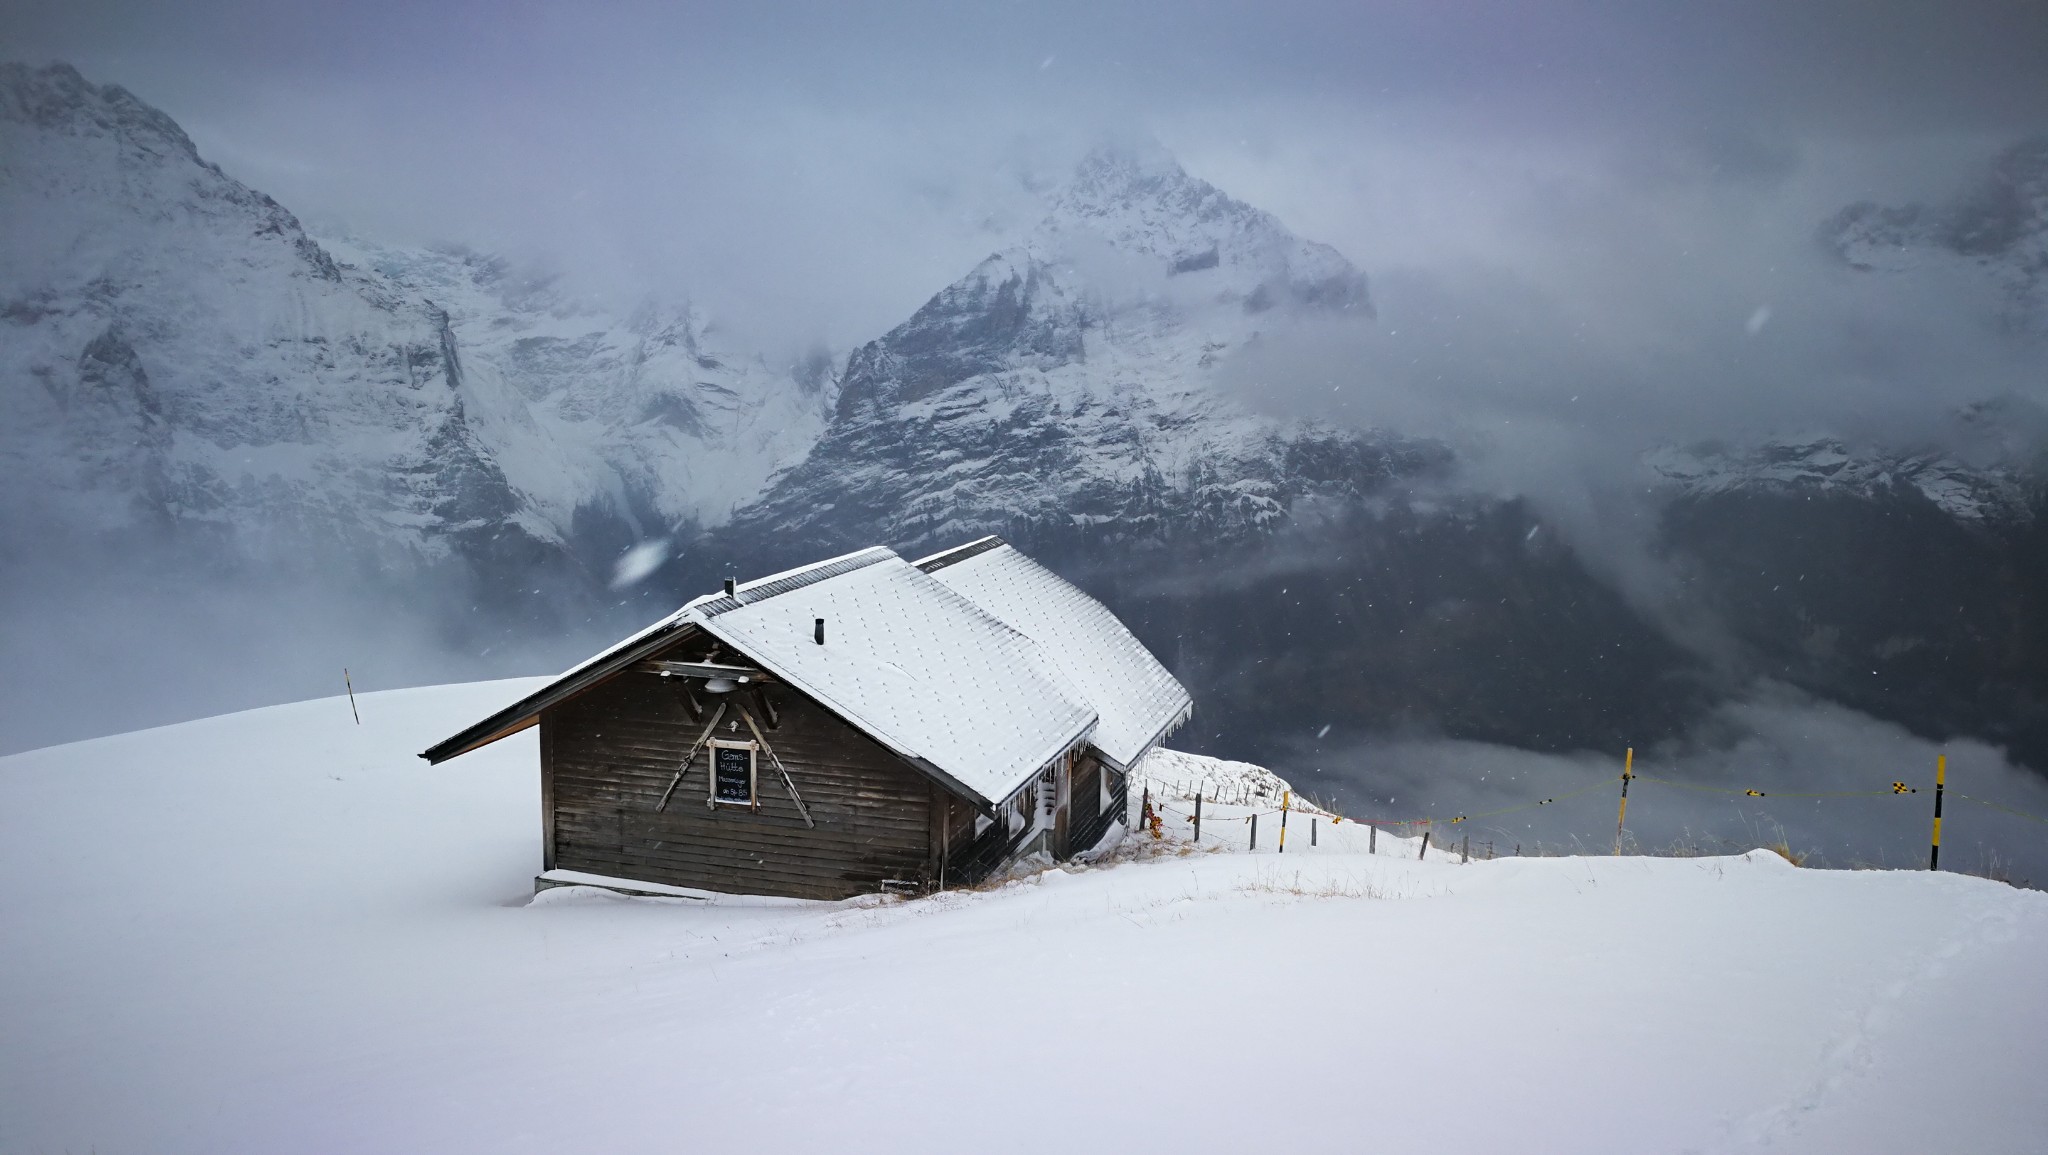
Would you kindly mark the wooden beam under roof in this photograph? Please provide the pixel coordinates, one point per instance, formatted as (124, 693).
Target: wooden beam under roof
(745, 675)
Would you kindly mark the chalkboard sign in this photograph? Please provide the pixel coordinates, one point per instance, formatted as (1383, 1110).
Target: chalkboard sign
(732, 774)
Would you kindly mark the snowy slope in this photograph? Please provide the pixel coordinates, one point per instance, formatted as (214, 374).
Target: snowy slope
(1074, 380)
(279, 931)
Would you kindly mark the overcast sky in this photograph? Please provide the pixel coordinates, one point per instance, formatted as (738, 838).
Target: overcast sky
(815, 171)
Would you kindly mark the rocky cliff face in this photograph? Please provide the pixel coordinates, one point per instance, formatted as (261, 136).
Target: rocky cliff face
(182, 360)
(178, 350)
(232, 444)
(612, 429)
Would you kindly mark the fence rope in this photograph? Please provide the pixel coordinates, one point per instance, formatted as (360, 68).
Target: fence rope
(1774, 793)
(1898, 789)
(1159, 804)
(2006, 809)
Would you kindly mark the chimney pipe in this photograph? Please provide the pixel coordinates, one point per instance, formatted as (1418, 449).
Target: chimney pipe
(818, 630)
(729, 587)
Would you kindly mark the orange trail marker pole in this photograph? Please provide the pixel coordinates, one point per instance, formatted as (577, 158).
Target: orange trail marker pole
(1940, 782)
(1628, 767)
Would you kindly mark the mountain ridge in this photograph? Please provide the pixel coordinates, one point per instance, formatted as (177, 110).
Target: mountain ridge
(194, 384)
(1070, 380)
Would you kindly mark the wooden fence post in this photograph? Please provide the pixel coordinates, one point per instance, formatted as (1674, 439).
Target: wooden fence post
(1465, 854)
(1372, 839)
(1198, 816)
(1424, 852)
(1255, 832)
(1311, 832)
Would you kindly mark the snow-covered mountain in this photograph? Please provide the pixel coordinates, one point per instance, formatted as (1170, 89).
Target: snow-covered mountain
(653, 414)
(1999, 226)
(1823, 465)
(179, 350)
(182, 358)
(1084, 392)
(183, 363)
(1072, 383)
(1912, 585)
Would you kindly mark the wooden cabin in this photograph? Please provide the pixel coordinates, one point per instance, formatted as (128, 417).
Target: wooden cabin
(864, 723)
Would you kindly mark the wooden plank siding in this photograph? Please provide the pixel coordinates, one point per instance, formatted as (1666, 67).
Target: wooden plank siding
(975, 858)
(1089, 820)
(1086, 804)
(547, 797)
(610, 752)
(607, 754)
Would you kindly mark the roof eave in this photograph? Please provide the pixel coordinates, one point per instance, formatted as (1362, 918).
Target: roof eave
(1187, 710)
(526, 711)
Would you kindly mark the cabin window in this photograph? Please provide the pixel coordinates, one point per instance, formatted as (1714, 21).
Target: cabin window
(733, 772)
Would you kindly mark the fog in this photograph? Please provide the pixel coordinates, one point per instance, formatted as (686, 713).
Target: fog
(815, 171)
(1783, 746)
(1597, 302)
(100, 639)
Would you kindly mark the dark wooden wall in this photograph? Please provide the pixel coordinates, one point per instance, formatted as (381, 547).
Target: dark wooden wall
(970, 859)
(610, 752)
(1088, 820)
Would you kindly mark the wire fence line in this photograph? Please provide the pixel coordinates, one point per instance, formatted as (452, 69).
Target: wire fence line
(2006, 809)
(1242, 795)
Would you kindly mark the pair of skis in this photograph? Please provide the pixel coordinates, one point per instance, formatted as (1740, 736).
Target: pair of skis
(711, 727)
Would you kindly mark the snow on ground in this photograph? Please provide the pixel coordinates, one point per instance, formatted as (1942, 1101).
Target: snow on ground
(280, 931)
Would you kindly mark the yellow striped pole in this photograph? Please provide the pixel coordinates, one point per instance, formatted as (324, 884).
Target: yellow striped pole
(1628, 767)
(1286, 800)
(1940, 781)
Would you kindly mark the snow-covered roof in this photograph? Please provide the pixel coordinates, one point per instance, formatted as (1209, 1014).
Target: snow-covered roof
(1136, 700)
(936, 678)
(913, 664)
